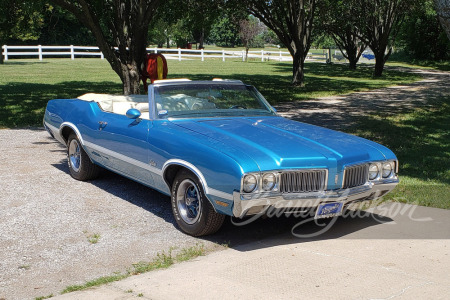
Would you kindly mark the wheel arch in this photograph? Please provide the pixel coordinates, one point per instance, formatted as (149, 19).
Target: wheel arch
(66, 129)
(173, 166)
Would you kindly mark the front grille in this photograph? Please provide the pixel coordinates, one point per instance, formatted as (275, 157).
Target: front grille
(355, 176)
(303, 181)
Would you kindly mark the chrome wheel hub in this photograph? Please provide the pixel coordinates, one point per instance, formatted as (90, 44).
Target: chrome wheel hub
(188, 201)
(74, 155)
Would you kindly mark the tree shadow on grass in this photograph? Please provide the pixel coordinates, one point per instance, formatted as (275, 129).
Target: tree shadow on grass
(420, 139)
(23, 104)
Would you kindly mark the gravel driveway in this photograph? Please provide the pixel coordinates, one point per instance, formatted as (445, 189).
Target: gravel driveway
(47, 219)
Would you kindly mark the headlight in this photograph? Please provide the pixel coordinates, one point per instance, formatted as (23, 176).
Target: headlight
(373, 171)
(387, 169)
(268, 181)
(249, 183)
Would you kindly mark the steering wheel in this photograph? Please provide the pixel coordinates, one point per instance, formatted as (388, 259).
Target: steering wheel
(237, 106)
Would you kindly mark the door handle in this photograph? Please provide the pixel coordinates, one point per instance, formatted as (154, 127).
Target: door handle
(102, 124)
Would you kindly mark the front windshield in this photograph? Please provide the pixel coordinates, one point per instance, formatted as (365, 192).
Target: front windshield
(199, 100)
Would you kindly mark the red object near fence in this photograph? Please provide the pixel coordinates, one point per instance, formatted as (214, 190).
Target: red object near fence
(155, 68)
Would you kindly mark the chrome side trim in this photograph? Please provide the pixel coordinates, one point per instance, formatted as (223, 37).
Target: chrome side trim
(55, 131)
(198, 173)
(53, 128)
(220, 194)
(124, 158)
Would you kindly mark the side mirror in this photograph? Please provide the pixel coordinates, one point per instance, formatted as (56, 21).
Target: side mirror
(133, 113)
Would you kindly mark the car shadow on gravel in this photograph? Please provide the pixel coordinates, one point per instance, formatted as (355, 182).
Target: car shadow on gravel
(130, 191)
(283, 230)
(235, 232)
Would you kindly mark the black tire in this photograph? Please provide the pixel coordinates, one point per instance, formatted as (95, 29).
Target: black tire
(191, 209)
(80, 165)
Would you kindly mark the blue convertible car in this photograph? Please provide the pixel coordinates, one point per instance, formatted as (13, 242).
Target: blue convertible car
(218, 148)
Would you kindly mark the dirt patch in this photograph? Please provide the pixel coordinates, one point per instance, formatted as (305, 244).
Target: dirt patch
(341, 112)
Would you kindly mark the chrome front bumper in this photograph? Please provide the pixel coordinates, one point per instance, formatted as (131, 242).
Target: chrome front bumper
(252, 204)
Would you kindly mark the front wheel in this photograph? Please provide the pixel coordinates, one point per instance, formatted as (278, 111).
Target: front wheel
(192, 211)
(80, 165)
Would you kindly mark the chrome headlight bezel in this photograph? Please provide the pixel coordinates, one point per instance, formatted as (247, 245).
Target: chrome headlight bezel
(268, 182)
(382, 166)
(374, 171)
(387, 169)
(247, 182)
(260, 176)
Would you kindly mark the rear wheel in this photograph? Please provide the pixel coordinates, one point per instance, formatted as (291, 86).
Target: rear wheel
(80, 165)
(192, 211)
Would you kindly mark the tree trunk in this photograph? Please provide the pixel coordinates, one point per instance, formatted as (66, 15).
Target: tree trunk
(352, 57)
(201, 40)
(298, 73)
(1, 54)
(130, 78)
(379, 64)
(352, 63)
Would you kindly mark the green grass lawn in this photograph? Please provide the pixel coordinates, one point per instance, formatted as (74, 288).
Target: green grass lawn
(27, 85)
(420, 137)
(421, 140)
(400, 60)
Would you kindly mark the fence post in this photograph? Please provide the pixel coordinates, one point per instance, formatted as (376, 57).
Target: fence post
(203, 55)
(5, 53)
(243, 55)
(102, 56)
(281, 57)
(262, 55)
(156, 50)
(223, 55)
(40, 51)
(72, 53)
(179, 54)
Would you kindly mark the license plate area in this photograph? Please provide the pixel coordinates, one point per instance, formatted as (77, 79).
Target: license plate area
(329, 210)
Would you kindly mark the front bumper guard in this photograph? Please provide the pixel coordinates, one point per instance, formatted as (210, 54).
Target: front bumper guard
(252, 204)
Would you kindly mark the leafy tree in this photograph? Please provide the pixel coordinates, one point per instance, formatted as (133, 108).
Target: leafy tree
(422, 36)
(380, 22)
(292, 22)
(200, 16)
(443, 11)
(160, 32)
(20, 20)
(340, 19)
(225, 32)
(270, 37)
(249, 29)
(62, 28)
(119, 23)
(163, 26)
(181, 35)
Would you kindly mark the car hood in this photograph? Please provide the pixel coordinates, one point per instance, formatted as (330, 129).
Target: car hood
(278, 143)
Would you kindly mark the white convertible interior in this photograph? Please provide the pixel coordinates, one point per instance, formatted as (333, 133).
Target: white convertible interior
(119, 104)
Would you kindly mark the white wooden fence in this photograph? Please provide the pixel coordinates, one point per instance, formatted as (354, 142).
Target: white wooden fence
(179, 54)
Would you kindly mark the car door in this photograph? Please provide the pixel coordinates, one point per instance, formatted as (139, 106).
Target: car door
(124, 145)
